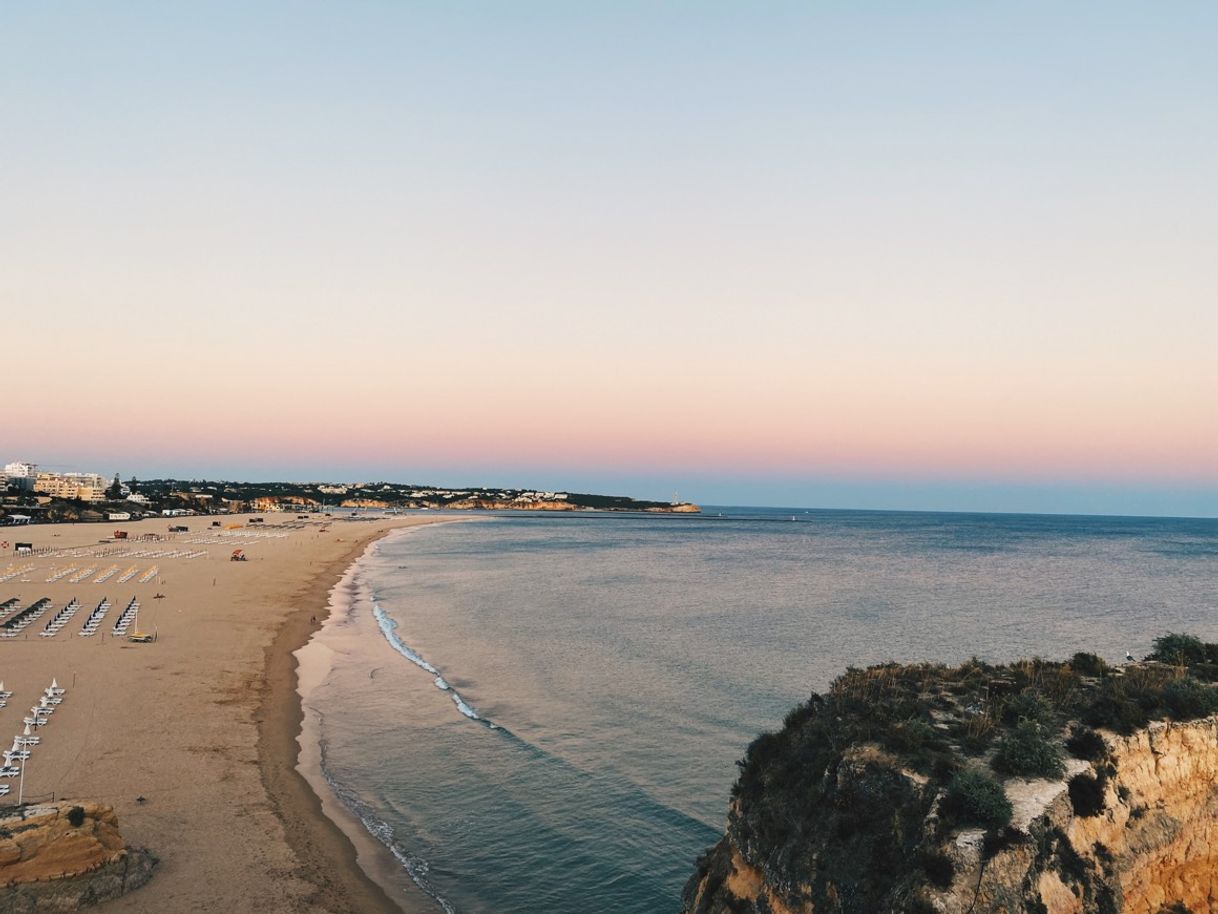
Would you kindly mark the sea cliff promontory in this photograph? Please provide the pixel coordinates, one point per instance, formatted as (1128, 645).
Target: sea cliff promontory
(1035, 787)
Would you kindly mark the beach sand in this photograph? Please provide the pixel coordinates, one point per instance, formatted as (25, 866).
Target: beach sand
(203, 723)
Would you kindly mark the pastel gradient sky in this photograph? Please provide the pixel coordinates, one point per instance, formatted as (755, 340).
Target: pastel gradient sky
(932, 255)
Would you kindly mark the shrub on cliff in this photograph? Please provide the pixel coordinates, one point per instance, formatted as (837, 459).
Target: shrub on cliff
(1088, 664)
(1026, 752)
(1114, 713)
(76, 816)
(1027, 706)
(1128, 702)
(1086, 744)
(1086, 794)
(974, 798)
(1179, 649)
(1188, 699)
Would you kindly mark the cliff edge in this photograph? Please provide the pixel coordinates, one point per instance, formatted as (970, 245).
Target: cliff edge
(1031, 788)
(65, 856)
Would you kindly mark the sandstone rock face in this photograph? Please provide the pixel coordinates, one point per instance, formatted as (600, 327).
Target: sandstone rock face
(1151, 848)
(65, 856)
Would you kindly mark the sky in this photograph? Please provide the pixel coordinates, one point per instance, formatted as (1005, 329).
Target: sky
(935, 255)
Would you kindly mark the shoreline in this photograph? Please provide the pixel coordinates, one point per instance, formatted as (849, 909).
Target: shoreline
(317, 840)
(191, 738)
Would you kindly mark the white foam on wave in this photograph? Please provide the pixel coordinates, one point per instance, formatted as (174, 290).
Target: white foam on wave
(416, 866)
(464, 708)
(389, 628)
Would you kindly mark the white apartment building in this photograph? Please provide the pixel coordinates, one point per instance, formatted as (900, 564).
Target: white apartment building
(21, 475)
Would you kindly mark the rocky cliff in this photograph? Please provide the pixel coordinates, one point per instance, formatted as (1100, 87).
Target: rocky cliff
(62, 857)
(1034, 788)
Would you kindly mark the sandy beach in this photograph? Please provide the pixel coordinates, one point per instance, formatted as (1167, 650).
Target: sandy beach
(193, 739)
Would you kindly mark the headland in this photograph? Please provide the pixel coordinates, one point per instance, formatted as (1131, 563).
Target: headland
(1029, 788)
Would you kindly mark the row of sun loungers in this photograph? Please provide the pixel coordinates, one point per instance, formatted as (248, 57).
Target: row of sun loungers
(14, 625)
(96, 552)
(94, 620)
(121, 552)
(169, 554)
(60, 619)
(82, 574)
(106, 575)
(79, 575)
(125, 618)
(27, 741)
(13, 571)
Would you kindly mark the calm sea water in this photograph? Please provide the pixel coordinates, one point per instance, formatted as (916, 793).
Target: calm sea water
(542, 714)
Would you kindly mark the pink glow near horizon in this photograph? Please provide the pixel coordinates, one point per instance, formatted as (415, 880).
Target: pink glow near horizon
(959, 242)
(798, 426)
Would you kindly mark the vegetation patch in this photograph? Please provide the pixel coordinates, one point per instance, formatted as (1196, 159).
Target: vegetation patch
(1086, 744)
(974, 798)
(1027, 752)
(1086, 794)
(1089, 664)
(1188, 699)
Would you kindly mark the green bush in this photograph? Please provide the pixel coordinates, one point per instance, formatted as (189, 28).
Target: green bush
(1179, 649)
(974, 798)
(1187, 698)
(911, 736)
(1088, 664)
(1207, 671)
(1085, 743)
(1113, 714)
(1027, 706)
(1086, 794)
(76, 816)
(1025, 752)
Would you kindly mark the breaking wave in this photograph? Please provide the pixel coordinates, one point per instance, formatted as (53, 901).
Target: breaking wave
(388, 627)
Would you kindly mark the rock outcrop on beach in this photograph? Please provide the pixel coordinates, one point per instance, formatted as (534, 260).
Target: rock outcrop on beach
(65, 856)
(1034, 788)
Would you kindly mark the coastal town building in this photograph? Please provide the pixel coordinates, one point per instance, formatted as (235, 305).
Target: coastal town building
(20, 475)
(84, 486)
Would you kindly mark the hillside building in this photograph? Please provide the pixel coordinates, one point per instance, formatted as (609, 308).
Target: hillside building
(85, 486)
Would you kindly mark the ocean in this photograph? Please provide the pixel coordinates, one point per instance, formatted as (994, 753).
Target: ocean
(542, 713)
